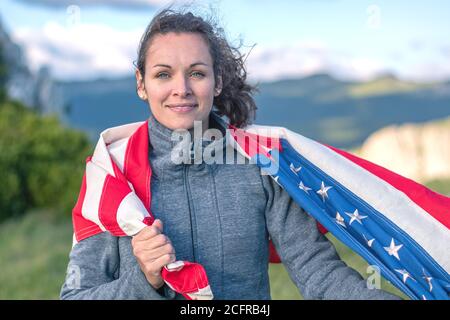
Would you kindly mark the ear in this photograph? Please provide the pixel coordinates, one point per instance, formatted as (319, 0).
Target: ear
(218, 88)
(140, 88)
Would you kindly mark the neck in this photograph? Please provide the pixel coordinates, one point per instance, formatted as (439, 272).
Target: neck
(163, 140)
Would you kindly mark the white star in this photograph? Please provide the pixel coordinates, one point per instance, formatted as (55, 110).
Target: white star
(340, 220)
(303, 187)
(369, 242)
(323, 191)
(428, 280)
(355, 216)
(405, 275)
(294, 169)
(393, 249)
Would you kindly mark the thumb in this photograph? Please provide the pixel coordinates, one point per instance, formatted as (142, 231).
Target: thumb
(158, 224)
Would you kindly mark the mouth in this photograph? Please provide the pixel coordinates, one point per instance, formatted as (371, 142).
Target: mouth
(182, 108)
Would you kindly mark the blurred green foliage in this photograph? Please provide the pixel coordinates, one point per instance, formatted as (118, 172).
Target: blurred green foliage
(41, 161)
(34, 252)
(441, 186)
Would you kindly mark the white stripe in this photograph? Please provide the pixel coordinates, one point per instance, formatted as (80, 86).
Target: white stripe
(130, 214)
(117, 151)
(429, 233)
(113, 134)
(101, 155)
(95, 178)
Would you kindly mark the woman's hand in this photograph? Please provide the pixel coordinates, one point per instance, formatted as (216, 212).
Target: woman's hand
(153, 251)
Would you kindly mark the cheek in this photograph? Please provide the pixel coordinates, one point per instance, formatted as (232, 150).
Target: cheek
(206, 91)
(157, 93)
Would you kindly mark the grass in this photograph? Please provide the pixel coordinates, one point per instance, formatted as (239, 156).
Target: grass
(34, 253)
(33, 256)
(385, 85)
(282, 288)
(441, 186)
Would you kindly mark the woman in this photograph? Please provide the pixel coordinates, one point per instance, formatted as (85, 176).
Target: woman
(219, 215)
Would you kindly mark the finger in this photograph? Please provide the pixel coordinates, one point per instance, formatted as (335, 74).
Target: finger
(155, 242)
(158, 224)
(151, 244)
(148, 256)
(154, 267)
(163, 250)
(147, 233)
(164, 260)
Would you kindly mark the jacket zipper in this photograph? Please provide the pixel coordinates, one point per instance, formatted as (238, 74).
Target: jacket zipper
(191, 218)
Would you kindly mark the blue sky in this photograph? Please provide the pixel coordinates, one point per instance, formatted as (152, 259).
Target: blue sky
(353, 39)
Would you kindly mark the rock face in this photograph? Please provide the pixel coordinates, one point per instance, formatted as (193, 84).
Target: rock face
(35, 90)
(418, 151)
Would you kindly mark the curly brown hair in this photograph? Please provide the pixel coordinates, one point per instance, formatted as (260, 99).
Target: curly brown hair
(236, 98)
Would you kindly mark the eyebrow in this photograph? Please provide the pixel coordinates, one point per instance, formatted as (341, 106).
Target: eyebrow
(192, 65)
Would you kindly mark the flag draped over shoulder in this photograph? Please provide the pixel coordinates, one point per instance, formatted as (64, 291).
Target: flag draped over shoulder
(115, 197)
(392, 222)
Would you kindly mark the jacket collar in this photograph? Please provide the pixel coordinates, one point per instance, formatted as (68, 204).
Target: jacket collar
(186, 148)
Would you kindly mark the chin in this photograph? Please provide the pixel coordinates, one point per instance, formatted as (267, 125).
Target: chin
(181, 124)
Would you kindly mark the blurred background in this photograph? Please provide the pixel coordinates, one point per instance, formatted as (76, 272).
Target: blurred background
(371, 77)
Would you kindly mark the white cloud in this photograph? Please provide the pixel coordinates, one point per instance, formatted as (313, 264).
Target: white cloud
(80, 51)
(306, 58)
(428, 71)
(113, 3)
(86, 51)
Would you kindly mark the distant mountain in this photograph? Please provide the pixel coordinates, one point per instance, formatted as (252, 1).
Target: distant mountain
(319, 87)
(344, 114)
(418, 151)
(96, 105)
(335, 112)
(35, 90)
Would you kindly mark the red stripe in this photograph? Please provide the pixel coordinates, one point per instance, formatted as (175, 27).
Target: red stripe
(252, 143)
(190, 279)
(136, 167)
(82, 227)
(114, 190)
(437, 205)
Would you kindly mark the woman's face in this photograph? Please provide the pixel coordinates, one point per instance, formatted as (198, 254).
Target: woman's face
(179, 80)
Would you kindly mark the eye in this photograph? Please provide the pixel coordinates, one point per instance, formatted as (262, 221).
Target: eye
(197, 74)
(162, 75)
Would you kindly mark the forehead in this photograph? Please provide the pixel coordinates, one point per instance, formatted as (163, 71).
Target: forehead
(183, 47)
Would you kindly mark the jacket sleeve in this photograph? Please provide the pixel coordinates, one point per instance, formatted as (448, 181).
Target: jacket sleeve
(93, 274)
(310, 259)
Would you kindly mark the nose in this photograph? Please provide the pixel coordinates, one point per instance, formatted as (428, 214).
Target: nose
(182, 87)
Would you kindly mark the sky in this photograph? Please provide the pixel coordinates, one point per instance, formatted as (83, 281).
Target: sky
(349, 39)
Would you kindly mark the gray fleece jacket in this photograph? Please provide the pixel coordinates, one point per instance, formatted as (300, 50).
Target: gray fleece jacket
(221, 216)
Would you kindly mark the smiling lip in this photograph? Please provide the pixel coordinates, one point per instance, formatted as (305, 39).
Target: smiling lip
(182, 107)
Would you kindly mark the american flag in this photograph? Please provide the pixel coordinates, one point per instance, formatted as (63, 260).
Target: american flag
(115, 196)
(392, 222)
